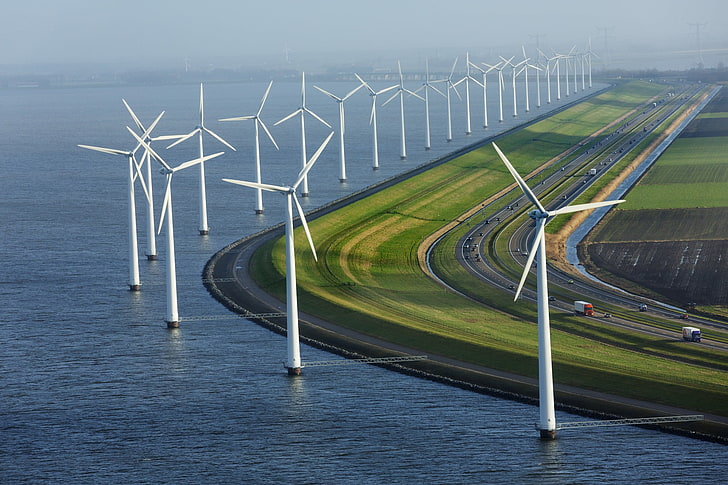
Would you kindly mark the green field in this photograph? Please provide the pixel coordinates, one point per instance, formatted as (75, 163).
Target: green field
(369, 277)
(684, 198)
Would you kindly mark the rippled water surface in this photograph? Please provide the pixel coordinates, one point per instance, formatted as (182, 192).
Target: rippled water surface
(95, 389)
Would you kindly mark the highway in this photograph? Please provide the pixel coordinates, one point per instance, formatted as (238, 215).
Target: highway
(558, 183)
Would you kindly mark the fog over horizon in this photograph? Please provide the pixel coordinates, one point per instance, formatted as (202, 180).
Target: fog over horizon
(226, 33)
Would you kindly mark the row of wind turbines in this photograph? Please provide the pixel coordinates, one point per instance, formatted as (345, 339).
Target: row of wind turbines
(139, 169)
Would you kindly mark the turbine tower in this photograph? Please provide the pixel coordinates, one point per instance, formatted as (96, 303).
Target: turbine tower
(172, 316)
(499, 67)
(302, 111)
(134, 171)
(515, 72)
(342, 127)
(199, 130)
(547, 414)
(258, 125)
(373, 119)
(293, 362)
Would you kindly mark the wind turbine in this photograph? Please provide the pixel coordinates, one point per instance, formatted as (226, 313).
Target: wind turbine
(467, 80)
(526, 65)
(427, 85)
(258, 124)
(302, 111)
(514, 67)
(172, 317)
(400, 92)
(340, 102)
(548, 75)
(133, 171)
(293, 362)
(373, 119)
(146, 181)
(484, 86)
(199, 130)
(499, 67)
(547, 416)
(450, 85)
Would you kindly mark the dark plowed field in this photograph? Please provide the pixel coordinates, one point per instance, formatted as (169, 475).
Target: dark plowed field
(706, 127)
(682, 271)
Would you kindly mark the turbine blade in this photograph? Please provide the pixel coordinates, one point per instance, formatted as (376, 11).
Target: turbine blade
(165, 203)
(255, 185)
(531, 256)
(304, 224)
(309, 165)
(184, 137)
(202, 107)
(133, 116)
(265, 97)
(317, 117)
(381, 91)
(582, 207)
(196, 161)
(526, 190)
(238, 118)
(327, 93)
(348, 95)
(365, 84)
(149, 149)
(299, 110)
(265, 128)
(111, 151)
(219, 138)
(398, 93)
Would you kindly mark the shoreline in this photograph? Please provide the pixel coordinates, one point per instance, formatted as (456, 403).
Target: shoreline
(227, 279)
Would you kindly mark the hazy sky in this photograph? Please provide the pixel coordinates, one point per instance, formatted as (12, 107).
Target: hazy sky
(64, 31)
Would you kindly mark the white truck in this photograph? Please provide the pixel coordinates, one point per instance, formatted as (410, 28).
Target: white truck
(691, 334)
(583, 308)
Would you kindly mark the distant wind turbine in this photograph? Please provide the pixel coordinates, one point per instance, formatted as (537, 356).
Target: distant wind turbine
(172, 316)
(426, 86)
(302, 111)
(258, 124)
(547, 415)
(199, 131)
(401, 90)
(293, 362)
(450, 85)
(342, 127)
(516, 71)
(373, 119)
(484, 85)
(499, 67)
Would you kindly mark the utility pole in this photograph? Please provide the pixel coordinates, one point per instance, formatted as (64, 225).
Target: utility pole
(698, 26)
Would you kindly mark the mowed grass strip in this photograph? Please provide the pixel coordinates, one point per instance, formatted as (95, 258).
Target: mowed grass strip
(368, 276)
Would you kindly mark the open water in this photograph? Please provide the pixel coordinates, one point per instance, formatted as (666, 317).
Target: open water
(95, 389)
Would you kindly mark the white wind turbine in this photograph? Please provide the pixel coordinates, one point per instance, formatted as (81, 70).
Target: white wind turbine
(450, 86)
(258, 124)
(342, 127)
(302, 111)
(526, 65)
(401, 90)
(547, 416)
(484, 85)
(199, 130)
(548, 75)
(293, 362)
(426, 86)
(134, 171)
(499, 67)
(146, 180)
(373, 119)
(589, 55)
(172, 316)
(515, 71)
